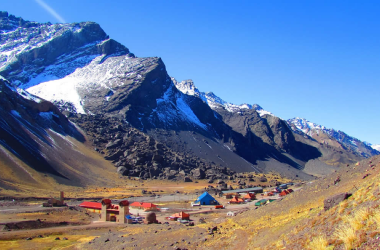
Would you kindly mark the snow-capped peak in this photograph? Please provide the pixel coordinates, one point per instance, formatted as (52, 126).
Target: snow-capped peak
(187, 87)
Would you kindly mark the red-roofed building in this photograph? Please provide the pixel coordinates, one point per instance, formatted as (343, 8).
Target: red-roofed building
(94, 207)
(236, 200)
(249, 196)
(107, 210)
(146, 206)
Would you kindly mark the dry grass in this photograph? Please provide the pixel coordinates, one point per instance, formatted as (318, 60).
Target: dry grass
(318, 243)
(347, 234)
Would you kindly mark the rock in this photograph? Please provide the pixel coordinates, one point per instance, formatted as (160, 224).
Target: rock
(114, 144)
(122, 170)
(187, 179)
(335, 200)
(198, 173)
(263, 179)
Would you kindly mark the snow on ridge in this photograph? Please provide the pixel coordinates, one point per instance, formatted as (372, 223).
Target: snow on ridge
(187, 87)
(99, 73)
(169, 112)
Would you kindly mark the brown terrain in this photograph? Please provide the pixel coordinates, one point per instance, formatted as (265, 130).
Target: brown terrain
(297, 221)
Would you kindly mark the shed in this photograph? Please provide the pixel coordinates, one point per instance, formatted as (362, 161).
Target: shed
(206, 199)
(261, 202)
(181, 215)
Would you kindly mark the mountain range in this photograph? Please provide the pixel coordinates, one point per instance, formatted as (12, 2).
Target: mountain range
(133, 114)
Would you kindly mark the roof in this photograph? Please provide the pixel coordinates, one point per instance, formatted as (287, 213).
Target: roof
(254, 189)
(93, 205)
(142, 204)
(249, 196)
(236, 199)
(124, 203)
(181, 215)
(106, 201)
(205, 195)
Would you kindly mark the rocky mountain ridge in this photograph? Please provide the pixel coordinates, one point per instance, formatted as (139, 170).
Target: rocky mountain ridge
(331, 136)
(298, 125)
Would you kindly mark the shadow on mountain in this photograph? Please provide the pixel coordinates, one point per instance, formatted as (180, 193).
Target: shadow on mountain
(23, 128)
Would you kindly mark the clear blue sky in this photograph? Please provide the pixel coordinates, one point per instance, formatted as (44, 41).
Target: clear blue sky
(314, 59)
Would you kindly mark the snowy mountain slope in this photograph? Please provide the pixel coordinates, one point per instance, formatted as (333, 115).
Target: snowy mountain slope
(187, 87)
(31, 53)
(333, 137)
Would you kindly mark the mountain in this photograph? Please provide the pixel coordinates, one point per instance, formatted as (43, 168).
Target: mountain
(145, 122)
(333, 137)
(374, 146)
(40, 147)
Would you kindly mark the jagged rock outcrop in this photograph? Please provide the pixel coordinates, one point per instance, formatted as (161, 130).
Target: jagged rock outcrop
(135, 153)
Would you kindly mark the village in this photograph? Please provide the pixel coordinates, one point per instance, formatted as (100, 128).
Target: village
(143, 211)
(187, 208)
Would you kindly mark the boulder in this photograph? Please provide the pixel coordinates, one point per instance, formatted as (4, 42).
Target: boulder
(198, 173)
(335, 200)
(114, 144)
(122, 170)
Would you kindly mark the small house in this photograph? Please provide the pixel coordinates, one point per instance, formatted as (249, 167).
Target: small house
(236, 200)
(146, 206)
(249, 196)
(206, 199)
(181, 215)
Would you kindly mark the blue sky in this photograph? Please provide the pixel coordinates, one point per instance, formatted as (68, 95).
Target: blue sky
(313, 59)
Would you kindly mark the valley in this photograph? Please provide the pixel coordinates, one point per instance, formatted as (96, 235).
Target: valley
(82, 115)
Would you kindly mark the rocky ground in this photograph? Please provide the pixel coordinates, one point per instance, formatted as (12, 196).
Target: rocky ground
(136, 154)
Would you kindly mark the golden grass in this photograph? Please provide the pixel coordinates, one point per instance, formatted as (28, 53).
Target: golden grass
(347, 234)
(318, 243)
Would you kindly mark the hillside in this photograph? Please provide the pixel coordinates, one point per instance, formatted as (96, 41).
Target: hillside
(299, 221)
(41, 148)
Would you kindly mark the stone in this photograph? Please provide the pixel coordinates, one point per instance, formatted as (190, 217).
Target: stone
(335, 200)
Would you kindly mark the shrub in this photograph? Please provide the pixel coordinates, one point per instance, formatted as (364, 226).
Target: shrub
(318, 243)
(346, 234)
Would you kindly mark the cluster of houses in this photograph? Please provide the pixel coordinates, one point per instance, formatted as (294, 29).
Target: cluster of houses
(120, 212)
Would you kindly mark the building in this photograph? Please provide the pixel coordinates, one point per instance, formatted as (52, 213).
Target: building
(182, 215)
(206, 199)
(245, 190)
(108, 211)
(146, 206)
(249, 196)
(93, 207)
(236, 200)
